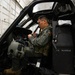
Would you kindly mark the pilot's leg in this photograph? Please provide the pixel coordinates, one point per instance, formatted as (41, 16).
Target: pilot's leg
(16, 68)
(18, 64)
(11, 72)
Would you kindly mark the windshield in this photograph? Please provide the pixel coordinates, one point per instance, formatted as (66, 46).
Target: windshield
(43, 6)
(32, 28)
(61, 22)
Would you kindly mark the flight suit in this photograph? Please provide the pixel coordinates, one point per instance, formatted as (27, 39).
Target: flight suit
(41, 43)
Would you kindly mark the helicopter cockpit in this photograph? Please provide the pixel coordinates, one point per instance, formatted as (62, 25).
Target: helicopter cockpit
(61, 16)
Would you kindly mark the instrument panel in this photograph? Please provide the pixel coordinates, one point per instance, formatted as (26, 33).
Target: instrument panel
(21, 34)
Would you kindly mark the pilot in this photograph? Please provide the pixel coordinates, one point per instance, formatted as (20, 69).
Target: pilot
(40, 42)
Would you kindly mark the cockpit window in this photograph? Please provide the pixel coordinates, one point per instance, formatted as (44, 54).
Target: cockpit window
(43, 6)
(27, 23)
(32, 28)
(61, 22)
(25, 18)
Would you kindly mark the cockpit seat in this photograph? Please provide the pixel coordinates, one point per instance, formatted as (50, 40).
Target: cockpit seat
(63, 49)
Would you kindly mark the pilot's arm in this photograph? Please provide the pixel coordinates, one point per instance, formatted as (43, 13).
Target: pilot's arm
(42, 39)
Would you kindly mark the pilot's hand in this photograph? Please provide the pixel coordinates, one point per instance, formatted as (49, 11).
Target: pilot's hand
(34, 34)
(29, 35)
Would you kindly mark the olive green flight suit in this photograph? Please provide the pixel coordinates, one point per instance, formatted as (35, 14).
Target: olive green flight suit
(41, 43)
